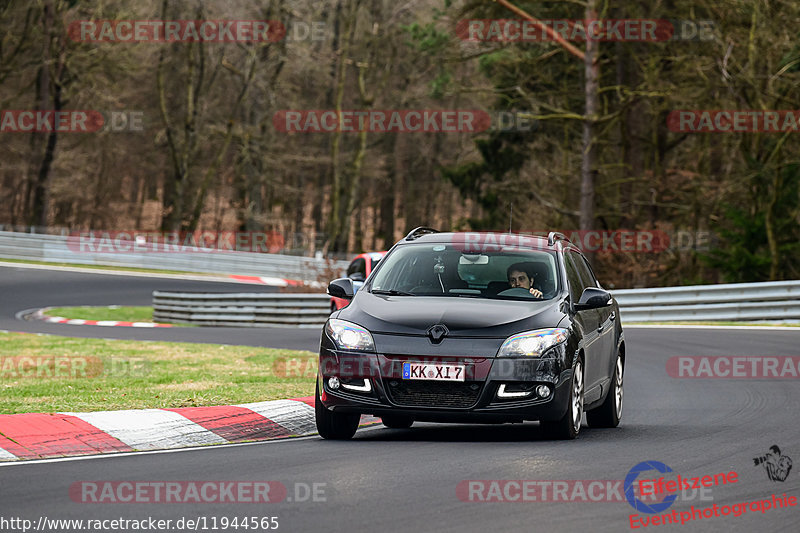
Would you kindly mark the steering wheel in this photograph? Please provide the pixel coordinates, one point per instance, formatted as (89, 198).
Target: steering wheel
(426, 288)
(518, 292)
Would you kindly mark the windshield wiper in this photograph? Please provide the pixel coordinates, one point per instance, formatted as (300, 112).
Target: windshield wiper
(392, 292)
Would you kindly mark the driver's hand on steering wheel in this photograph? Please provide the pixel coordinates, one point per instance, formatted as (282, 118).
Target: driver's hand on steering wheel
(536, 292)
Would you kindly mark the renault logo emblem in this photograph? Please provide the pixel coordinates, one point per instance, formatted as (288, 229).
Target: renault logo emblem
(437, 333)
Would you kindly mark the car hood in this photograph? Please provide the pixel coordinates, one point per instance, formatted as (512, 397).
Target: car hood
(463, 317)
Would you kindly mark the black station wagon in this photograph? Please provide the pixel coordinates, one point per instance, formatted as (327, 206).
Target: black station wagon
(473, 327)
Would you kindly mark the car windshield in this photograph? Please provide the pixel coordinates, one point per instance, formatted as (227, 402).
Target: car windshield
(444, 270)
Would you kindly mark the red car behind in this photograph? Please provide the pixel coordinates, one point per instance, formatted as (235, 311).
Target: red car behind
(360, 268)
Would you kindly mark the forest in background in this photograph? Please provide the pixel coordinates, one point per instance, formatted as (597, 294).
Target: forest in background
(208, 156)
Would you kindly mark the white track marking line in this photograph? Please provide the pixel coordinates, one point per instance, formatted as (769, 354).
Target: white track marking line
(151, 429)
(296, 416)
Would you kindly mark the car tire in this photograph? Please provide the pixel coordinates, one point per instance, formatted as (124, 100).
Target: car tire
(333, 425)
(397, 421)
(569, 426)
(609, 413)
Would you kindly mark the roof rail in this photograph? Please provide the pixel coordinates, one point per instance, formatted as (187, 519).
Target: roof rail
(554, 236)
(419, 232)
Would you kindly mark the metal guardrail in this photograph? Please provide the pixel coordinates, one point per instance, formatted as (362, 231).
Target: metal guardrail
(60, 249)
(241, 309)
(778, 300)
(736, 302)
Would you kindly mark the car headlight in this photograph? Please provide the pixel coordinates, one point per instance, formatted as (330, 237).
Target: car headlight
(349, 336)
(532, 343)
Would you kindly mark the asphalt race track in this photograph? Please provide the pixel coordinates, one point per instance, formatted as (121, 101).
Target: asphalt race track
(22, 289)
(406, 480)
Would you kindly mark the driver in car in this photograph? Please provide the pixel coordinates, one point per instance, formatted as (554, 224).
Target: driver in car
(521, 276)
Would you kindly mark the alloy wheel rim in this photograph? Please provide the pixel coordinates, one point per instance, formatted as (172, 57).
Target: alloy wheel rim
(577, 397)
(619, 392)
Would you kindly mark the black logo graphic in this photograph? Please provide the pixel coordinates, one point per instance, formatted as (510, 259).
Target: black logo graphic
(777, 466)
(437, 333)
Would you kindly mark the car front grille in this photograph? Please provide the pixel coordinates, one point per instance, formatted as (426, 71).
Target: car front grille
(412, 393)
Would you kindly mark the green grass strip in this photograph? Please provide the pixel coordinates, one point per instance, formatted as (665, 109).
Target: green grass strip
(47, 373)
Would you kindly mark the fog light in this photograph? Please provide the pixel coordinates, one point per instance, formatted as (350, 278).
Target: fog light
(333, 383)
(543, 391)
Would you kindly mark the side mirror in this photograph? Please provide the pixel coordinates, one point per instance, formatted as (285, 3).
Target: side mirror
(357, 276)
(593, 298)
(341, 288)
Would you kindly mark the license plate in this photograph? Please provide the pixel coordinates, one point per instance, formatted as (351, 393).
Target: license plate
(433, 371)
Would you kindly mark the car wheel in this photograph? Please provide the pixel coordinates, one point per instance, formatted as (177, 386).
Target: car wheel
(397, 421)
(569, 425)
(333, 425)
(610, 412)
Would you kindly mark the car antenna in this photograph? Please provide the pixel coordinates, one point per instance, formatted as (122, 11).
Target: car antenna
(510, 216)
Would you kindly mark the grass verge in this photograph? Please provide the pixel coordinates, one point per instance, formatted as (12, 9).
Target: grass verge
(47, 373)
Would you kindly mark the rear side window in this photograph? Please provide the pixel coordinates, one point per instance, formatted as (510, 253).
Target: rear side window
(584, 270)
(576, 285)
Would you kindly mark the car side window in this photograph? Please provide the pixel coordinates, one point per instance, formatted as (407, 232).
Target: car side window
(584, 270)
(573, 277)
(357, 269)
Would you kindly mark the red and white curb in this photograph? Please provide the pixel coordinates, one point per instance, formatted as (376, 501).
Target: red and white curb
(41, 314)
(48, 435)
(275, 282)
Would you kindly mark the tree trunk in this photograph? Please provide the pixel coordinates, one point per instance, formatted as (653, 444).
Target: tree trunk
(631, 127)
(589, 151)
(49, 78)
(339, 203)
(387, 193)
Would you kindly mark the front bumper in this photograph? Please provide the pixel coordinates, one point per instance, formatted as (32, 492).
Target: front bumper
(474, 400)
